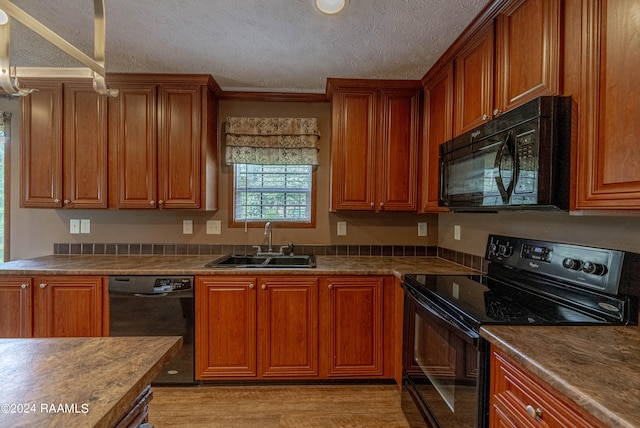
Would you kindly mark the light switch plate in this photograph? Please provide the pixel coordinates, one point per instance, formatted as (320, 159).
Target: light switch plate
(187, 227)
(74, 226)
(456, 232)
(422, 229)
(342, 228)
(85, 225)
(214, 227)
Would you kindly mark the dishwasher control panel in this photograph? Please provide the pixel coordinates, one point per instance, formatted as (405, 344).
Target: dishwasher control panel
(173, 284)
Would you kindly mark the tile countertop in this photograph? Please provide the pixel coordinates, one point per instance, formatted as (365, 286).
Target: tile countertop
(194, 265)
(597, 367)
(99, 379)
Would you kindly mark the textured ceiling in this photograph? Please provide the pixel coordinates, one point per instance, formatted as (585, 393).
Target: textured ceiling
(254, 45)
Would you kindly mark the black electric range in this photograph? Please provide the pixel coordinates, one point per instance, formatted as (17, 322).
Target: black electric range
(528, 282)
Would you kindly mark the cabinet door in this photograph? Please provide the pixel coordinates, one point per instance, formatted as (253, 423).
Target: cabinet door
(41, 145)
(608, 148)
(438, 128)
(397, 170)
(528, 46)
(179, 142)
(132, 123)
(85, 147)
(15, 307)
(69, 306)
(226, 331)
(353, 153)
(288, 319)
(474, 83)
(356, 326)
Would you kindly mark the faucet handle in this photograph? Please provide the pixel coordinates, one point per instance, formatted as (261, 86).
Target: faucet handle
(258, 249)
(287, 249)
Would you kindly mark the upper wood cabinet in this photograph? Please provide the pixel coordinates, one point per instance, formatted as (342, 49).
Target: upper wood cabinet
(607, 161)
(63, 145)
(162, 132)
(437, 128)
(514, 58)
(374, 144)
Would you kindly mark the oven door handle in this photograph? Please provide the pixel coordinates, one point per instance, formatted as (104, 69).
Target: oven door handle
(467, 331)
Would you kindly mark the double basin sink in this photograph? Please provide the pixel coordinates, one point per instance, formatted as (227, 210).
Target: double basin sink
(277, 261)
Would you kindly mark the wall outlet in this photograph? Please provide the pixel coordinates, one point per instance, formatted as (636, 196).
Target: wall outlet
(85, 225)
(342, 228)
(422, 229)
(456, 232)
(187, 227)
(74, 226)
(214, 227)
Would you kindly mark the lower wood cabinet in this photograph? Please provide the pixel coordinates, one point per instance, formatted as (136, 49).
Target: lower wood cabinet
(520, 399)
(53, 306)
(294, 327)
(256, 327)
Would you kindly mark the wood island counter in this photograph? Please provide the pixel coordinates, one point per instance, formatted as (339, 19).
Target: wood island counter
(79, 382)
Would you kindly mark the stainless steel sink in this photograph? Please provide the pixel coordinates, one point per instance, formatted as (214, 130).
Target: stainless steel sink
(268, 262)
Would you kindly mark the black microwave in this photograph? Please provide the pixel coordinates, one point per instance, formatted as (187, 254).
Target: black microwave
(519, 160)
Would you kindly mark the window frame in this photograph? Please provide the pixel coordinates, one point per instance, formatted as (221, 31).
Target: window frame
(276, 223)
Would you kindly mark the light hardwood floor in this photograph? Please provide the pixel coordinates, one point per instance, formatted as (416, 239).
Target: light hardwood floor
(267, 406)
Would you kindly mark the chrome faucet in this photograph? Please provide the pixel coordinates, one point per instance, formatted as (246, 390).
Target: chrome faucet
(268, 230)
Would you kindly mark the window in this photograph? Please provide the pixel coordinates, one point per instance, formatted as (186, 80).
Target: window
(283, 193)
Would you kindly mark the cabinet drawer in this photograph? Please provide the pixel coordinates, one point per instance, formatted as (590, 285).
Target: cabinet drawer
(519, 399)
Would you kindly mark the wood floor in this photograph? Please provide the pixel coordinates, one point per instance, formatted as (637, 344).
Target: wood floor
(266, 406)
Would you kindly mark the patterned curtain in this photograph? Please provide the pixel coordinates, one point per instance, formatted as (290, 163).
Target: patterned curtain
(272, 140)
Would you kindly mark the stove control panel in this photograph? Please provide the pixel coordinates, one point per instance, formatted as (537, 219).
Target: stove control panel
(591, 268)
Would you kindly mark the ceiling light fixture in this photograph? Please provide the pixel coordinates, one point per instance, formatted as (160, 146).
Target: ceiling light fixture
(330, 7)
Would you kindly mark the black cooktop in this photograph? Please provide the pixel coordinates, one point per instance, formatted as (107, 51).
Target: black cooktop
(480, 300)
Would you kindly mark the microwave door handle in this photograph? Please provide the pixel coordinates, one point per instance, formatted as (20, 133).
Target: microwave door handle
(503, 151)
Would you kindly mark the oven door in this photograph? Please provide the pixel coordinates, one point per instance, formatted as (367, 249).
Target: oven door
(441, 365)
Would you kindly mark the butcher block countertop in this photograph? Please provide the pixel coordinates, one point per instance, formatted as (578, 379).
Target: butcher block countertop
(597, 367)
(77, 382)
(194, 265)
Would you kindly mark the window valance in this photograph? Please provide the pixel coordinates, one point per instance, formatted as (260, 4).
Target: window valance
(272, 140)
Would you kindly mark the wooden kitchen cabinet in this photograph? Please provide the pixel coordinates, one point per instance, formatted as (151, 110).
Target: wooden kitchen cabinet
(513, 59)
(248, 327)
(607, 155)
(355, 326)
(162, 133)
(63, 145)
(520, 399)
(374, 144)
(53, 306)
(437, 129)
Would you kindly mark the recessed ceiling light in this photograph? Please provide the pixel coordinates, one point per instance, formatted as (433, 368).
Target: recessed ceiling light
(330, 7)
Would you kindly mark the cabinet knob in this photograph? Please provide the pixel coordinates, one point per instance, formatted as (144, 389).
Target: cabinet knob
(264, 286)
(486, 117)
(251, 286)
(497, 112)
(372, 205)
(152, 202)
(381, 204)
(66, 202)
(160, 202)
(24, 286)
(56, 200)
(43, 285)
(330, 286)
(534, 412)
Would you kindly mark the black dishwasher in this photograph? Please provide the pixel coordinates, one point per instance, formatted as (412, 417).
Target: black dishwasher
(145, 305)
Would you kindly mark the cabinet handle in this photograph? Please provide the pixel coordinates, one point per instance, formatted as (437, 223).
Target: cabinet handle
(23, 286)
(152, 202)
(497, 112)
(264, 286)
(330, 287)
(485, 117)
(160, 202)
(381, 204)
(43, 285)
(534, 412)
(66, 202)
(251, 286)
(372, 204)
(56, 200)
